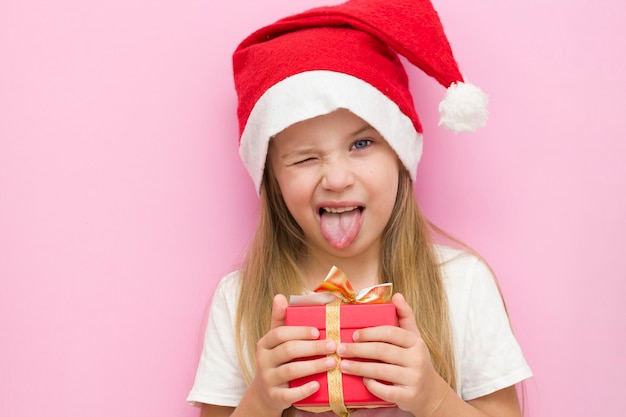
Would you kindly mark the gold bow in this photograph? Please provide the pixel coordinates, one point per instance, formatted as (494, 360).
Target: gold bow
(337, 284)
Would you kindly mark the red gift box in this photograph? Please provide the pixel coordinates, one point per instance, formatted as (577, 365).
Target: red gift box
(352, 318)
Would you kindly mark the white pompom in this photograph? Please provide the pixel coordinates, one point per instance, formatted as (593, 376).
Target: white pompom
(464, 108)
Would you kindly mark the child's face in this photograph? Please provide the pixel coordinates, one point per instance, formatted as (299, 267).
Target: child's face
(339, 179)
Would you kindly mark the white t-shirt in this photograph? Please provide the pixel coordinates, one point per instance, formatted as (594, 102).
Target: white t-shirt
(488, 357)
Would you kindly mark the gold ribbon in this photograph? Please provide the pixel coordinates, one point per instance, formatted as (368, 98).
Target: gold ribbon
(337, 284)
(333, 376)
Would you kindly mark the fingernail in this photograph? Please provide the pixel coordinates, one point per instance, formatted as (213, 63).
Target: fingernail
(341, 350)
(331, 363)
(315, 332)
(344, 365)
(355, 336)
(331, 346)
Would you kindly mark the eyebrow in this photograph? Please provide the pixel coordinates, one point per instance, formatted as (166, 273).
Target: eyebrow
(365, 127)
(308, 150)
(296, 152)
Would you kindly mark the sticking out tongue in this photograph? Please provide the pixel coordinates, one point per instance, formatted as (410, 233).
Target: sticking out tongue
(340, 229)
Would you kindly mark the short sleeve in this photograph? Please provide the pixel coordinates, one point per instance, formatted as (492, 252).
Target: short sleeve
(487, 355)
(219, 380)
(491, 358)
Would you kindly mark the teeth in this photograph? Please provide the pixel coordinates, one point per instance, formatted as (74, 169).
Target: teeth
(339, 209)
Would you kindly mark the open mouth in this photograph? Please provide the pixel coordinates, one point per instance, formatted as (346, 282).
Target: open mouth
(341, 225)
(339, 210)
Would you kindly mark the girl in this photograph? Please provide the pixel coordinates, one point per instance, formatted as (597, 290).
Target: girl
(331, 139)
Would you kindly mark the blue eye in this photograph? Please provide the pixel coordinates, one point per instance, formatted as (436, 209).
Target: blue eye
(362, 143)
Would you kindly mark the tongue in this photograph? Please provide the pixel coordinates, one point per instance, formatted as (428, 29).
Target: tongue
(340, 229)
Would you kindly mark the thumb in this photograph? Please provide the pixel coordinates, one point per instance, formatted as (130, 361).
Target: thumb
(279, 307)
(406, 317)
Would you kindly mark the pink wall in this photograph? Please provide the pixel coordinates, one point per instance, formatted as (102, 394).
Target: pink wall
(122, 198)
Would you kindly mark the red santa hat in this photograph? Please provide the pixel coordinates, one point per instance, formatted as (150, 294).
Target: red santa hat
(346, 56)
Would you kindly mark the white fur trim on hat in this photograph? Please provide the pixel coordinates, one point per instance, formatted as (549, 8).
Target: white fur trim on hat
(315, 93)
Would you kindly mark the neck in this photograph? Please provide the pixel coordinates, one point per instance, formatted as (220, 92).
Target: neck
(362, 271)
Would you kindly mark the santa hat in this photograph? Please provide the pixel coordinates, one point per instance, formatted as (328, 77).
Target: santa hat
(346, 56)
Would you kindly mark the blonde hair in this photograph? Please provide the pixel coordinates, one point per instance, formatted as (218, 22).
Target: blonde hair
(407, 260)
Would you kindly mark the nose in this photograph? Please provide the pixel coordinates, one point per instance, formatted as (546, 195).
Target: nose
(338, 175)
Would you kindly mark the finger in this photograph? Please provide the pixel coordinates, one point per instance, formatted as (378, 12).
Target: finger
(406, 317)
(386, 334)
(299, 349)
(282, 396)
(374, 370)
(377, 351)
(283, 334)
(382, 390)
(303, 391)
(302, 368)
(401, 335)
(294, 394)
(279, 307)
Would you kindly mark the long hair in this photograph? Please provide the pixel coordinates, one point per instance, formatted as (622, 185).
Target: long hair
(407, 260)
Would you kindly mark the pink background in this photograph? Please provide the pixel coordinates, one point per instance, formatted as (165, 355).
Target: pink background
(122, 198)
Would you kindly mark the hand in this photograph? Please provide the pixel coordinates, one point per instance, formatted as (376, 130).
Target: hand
(280, 345)
(404, 362)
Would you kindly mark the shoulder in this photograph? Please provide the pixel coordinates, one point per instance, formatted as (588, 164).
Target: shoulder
(229, 285)
(466, 277)
(226, 294)
(488, 357)
(230, 282)
(457, 264)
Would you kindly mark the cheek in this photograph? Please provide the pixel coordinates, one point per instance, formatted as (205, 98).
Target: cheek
(391, 187)
(387, 175)
(294, 195)
(297, 182)
(388, 185)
